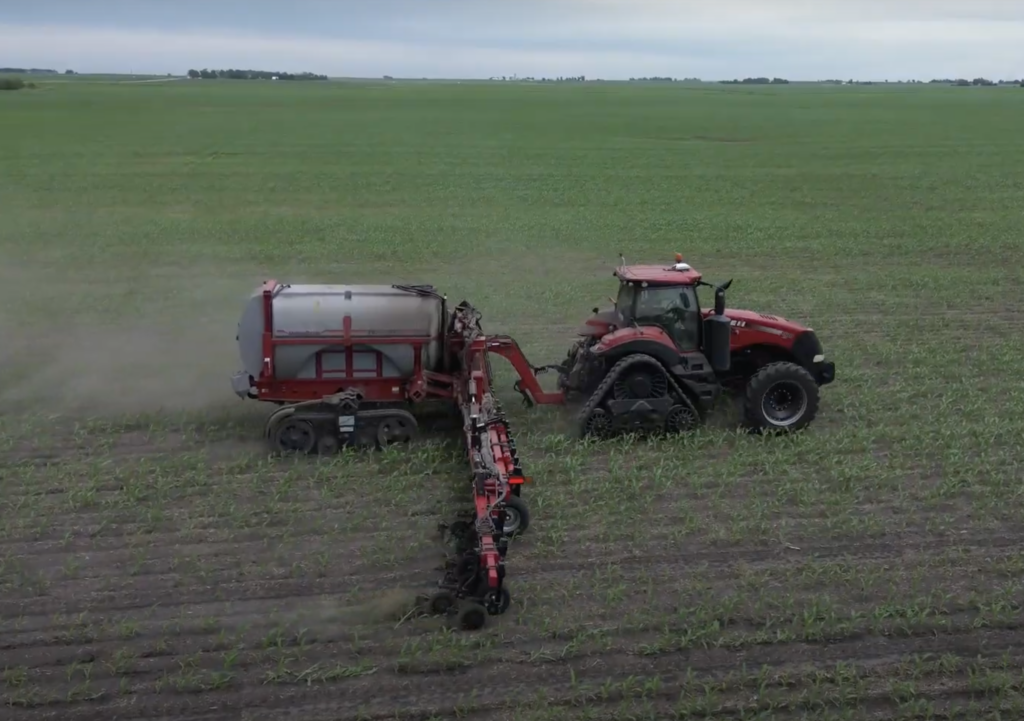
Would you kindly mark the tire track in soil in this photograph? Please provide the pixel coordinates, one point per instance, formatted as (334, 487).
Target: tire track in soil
(162, 559)
(126, 446)
(76, 477)
(96, 526)
(197, 599)
(420, 695)
(319, 618)
(383, 641)
(314, 614)
(164, 539)
(951, 698)
(718, 558)
(168, 537)
(231, 566)
(232, 551)
(632, 638)
(205, 652)
(269, 588)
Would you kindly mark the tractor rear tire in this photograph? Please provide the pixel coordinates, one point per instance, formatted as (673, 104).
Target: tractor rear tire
(780, 398)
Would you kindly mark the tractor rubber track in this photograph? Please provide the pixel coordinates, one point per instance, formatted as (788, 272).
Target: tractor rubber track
(617, 370)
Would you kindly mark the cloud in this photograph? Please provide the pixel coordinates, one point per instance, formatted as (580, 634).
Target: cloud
(158, 52)
(674, 12)
(798, 39)
(779, 21)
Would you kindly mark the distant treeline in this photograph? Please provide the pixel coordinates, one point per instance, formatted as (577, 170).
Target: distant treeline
(251, 75)
(756, 81)
(560, 79)
(961, 82)
(28, 71)
(531, 79)
(942, 81)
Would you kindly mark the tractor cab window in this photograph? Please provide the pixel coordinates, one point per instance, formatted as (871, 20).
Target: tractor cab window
(673, 308)
(624, 303)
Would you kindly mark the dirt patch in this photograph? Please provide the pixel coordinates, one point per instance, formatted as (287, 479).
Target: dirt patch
(258, 608)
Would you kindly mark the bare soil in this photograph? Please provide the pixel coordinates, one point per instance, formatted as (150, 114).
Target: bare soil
(110, 610)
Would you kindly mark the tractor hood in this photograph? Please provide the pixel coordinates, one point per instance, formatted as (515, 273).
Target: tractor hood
(765, 322)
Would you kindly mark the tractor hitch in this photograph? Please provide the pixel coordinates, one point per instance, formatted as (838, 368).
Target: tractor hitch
(518, 387)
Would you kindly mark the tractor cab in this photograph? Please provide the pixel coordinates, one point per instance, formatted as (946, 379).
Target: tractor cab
(651, 295)
(664, 298)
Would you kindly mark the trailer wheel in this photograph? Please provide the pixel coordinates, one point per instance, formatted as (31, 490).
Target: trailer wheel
(497, 604)
(441, 603)
(781, 397)
(327, 445)
(472, 616)
(293, 435)
(394, 429)
(517, 516)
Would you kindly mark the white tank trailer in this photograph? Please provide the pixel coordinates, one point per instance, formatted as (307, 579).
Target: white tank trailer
(316, 311)
(333, 382)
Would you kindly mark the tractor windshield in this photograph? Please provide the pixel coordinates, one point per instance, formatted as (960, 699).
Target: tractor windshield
(674, 308)
(624, 303)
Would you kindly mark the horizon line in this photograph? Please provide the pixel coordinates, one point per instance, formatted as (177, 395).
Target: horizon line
(509, 78)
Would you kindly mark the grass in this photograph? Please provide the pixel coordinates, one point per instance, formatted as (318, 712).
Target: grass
(152, 553)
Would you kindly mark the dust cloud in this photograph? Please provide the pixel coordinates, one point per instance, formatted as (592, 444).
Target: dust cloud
(99, 371)
(71, 344)
(325, 619)
(388, 605)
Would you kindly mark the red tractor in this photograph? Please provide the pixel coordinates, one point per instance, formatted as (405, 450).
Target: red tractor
(656, 360)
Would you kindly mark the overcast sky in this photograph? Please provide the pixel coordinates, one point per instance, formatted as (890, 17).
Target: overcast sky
(612, 39)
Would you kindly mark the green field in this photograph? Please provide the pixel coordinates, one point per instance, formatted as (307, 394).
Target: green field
(155, 563)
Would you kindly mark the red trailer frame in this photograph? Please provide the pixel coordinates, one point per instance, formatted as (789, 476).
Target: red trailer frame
(376, 387)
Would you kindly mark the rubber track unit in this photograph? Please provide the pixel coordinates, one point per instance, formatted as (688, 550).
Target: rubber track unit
(617, 370)
(316, 411)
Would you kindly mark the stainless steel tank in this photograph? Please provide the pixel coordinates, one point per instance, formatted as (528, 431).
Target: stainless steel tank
(308, 311)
